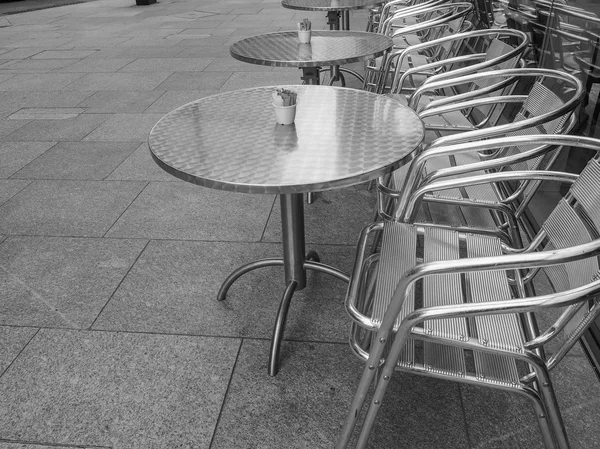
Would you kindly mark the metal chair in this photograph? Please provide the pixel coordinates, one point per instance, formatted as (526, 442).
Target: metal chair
(544, 109)
(415, 25)
(452, 305)
(453, 56)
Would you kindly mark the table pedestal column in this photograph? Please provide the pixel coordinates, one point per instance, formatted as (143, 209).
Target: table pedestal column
(295, 263)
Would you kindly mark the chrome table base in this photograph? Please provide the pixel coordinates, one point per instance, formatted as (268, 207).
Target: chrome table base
(295, 263)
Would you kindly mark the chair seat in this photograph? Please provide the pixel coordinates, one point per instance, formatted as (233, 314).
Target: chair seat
(403, 246)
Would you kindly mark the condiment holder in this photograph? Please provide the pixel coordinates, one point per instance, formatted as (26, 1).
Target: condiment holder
(284, 105)
(304, 31)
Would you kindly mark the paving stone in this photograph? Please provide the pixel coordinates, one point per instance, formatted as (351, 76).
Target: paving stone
(119, 101)
(174, 285)
(167, 65)
(195, 81)
(117, 390)
(125, 127)
(172, 99)
(13, 339)
(13, 101)
(97, 65)
(61, 282)
(62, 54)
(59, 130)
(305, 405)
(335, 216)
(42, 65)
(8, 126)
(15, 155)
(38, 81)
(187, 211)
(46, 113)
(140, 166)
(244, 80)
(67, 208)
(9, 188)
(78, 160)
(118, 81)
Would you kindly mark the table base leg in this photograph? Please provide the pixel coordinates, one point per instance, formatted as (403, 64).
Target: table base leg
(310, 75)
(243, 270)
(312, 263)
(279, 328)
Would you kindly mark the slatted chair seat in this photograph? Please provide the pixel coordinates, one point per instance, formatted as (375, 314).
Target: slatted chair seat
(404, 245)
(461, 305)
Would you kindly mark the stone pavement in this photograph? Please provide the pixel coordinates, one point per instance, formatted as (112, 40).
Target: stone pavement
(110, 334)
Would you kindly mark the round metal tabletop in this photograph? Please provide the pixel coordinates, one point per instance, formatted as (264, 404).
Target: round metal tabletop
(330, 5)
(231, 141)
(325, 48)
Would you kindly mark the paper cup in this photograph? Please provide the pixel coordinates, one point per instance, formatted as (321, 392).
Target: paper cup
(285, 115)
(304, 36)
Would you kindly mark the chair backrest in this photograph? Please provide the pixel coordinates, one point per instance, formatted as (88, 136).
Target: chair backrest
(470, 52)
(574, 221)
(543, 95)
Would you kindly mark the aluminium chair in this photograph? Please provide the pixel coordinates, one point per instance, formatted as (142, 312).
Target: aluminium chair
(490, 208)
(453, 305)
(452, 56)
(416, 25)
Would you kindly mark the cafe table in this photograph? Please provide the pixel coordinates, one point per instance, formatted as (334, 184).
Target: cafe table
(326, 48)
(231, 141)
(334, 9)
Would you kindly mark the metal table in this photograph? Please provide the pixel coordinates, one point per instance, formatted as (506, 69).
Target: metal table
(231, 141)
(334, 9)
(326, 48)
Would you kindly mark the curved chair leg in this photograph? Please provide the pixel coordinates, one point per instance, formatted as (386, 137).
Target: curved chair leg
(279, 329)
(243, 270)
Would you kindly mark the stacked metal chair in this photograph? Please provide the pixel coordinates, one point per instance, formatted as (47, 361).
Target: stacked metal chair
(415, 25)
(450, 57)
(460, 306)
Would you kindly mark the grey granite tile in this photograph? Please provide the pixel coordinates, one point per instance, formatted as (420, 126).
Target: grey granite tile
(578, 390)
(228, 64)
(78, 160)
(15, 155)
(119, 101)
(9, 126)
(61, 282)
(205, 51)
(21, 53)
(118, 81)
(167, 65)
(146, 52)
(44, 446)
(140, 167)
(9, 188)
(45, 65)
(187, 211)
(172, 99)
(38, 81)
(244, 80)
(72, 129)
(119, 390)
(305, 405)
(125, 127)
(336, 216)
(174, 285)
(50, 99)
(68, 208)
(62, 54)
(499, 420)
(13, 339)
(89, 65)
(46, 113)
(195, 81)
